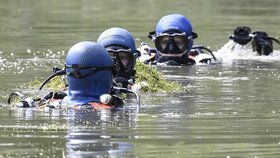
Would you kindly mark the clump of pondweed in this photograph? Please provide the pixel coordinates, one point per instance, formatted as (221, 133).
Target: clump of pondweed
(55, 84)
(154, 80)
(147, 76)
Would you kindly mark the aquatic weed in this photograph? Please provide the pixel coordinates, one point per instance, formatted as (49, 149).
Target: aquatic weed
(153, 81)
(147, 77)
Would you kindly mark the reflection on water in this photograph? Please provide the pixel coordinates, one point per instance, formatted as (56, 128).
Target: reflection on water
(230, 109)
(24, 136)
(56, 133)
(100, 133)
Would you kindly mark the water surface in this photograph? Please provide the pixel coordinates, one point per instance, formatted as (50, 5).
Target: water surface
(230, 109)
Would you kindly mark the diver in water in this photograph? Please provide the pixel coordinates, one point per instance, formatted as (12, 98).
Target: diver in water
(121, 47)
(88, 71)
(261, 42)
(173, 39)
(241, 35)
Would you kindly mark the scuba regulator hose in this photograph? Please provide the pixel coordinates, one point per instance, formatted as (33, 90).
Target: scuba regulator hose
(125, 90)
(207, 49)
(56, 73)
(27, 101)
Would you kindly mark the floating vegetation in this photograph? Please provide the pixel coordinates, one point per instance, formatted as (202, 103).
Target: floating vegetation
(147, 77)
(55, 84)
(151, 80)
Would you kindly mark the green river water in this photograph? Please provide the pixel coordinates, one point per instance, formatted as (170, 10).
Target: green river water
(229, 110)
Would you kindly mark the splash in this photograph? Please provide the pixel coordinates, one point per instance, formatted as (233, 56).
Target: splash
(232, 51)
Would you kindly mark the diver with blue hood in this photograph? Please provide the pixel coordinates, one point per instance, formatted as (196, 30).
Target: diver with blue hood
(89, 75)
(121, 46)
(173, 39)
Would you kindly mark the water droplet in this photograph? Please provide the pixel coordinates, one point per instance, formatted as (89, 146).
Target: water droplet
(28, 51)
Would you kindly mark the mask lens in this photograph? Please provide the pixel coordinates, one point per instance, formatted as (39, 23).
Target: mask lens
(171, 43)
(121, 56)
(112, 54)
(181, 42)
(163, 41)
(124, 58)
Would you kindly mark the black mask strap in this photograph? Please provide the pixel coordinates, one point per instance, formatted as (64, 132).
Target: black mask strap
(75, 72)
(152, 35)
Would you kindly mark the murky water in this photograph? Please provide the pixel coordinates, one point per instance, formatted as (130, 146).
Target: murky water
(230, 109)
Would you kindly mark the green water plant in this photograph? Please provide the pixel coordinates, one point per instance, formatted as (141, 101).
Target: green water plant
(55, 84)
(152, 80)
(147, 77)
